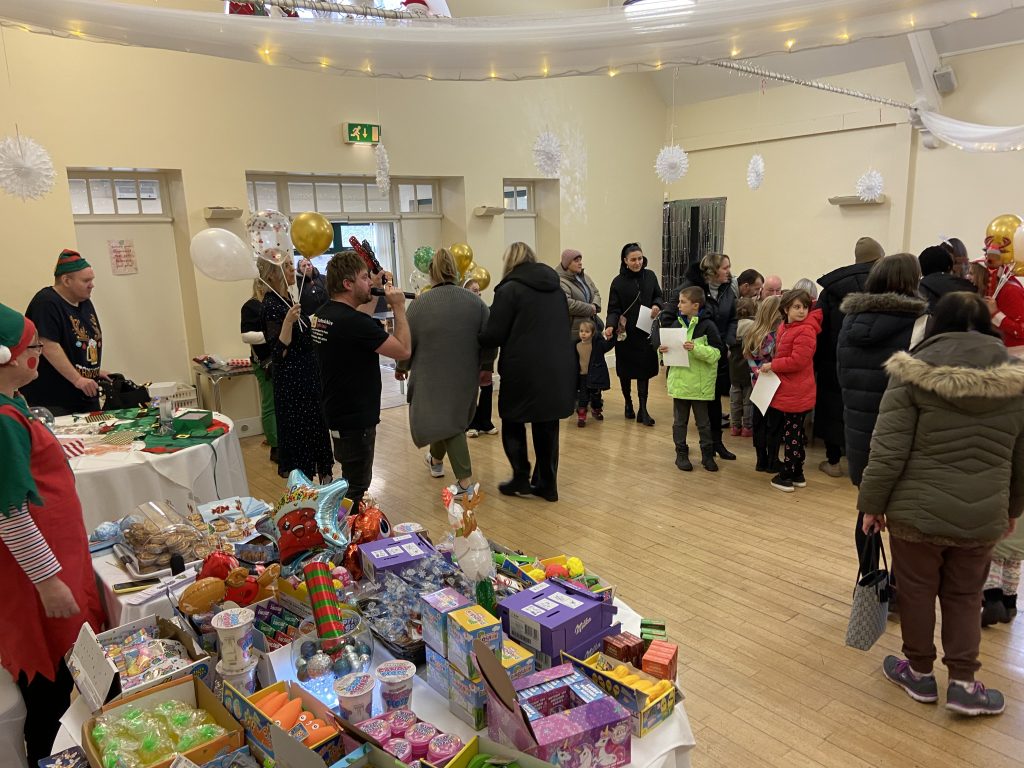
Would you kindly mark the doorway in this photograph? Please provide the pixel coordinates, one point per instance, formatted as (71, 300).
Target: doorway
(690, 230)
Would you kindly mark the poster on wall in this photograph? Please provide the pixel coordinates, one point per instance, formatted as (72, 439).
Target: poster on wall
(123, 260)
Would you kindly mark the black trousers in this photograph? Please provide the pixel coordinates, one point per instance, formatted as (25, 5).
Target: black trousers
(642, 387)
(768, 433)
(715, 417)
(545, 446)
(585, 395)
(482, 418)
(354, 450)
(833, 452)
(46, 701)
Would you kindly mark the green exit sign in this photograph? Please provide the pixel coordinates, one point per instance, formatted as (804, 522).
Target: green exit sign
(362, 133)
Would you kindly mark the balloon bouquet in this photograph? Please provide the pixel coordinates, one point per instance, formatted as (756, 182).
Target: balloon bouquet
(419, 281)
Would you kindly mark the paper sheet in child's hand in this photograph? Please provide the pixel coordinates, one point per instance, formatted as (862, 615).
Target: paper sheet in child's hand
(764, 390)
(673, 338)
(644, 321)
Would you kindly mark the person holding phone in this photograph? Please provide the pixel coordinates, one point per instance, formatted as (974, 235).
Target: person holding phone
(45, 566)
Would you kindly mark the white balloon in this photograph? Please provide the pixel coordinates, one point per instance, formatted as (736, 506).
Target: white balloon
(222, 255)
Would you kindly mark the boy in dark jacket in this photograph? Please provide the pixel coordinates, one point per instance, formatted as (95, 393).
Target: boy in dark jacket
(592, 371)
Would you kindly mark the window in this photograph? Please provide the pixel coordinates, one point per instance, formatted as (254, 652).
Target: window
(518, 196)
(416, 198)
(338, 195)
(98, 193)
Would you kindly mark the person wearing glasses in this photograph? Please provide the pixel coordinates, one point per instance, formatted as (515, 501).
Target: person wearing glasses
(635, 288)
(45, 566)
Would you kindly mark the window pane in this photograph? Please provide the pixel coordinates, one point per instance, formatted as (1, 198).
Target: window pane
(354, 197)
(379, 202)
(266, 196)
(300, 197)
(102, 192)
(79, 196)
(149, 196)
(328, 198)
(407, 198)
(425, 197)
(252, 195)
(522, 199)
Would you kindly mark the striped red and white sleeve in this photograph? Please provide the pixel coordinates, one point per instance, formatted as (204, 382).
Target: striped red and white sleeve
(21, 536)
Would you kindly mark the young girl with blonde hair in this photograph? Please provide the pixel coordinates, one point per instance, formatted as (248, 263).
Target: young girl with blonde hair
(758, 348)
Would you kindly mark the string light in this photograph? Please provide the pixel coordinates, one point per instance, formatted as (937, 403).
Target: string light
(790, 43)
(612, 72)
(974, 14)
(734, 52)
(324, 63)
(844, 36)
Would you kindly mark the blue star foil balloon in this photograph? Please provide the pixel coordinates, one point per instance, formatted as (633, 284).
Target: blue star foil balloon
(308, 519)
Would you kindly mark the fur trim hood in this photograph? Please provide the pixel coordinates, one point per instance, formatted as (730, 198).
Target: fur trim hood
(960, 366)
(883, 302)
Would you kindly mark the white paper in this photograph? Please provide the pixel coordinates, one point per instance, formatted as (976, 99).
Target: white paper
(673, 338)
(764, 390)
(644, 322)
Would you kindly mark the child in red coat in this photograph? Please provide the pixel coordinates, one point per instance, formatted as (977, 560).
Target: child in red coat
(796, 340)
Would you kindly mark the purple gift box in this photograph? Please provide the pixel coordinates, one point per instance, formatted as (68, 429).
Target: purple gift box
(550, 618)
(393, 554)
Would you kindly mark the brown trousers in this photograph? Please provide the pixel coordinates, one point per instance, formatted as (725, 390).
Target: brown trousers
(956, 576)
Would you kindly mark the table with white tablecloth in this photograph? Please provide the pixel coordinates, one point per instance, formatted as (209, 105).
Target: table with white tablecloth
(131, 606)
(112, 484)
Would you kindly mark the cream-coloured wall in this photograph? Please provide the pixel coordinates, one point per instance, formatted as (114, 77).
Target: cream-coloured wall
(95, 105)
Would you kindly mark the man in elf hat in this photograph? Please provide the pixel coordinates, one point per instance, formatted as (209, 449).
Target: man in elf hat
(45, 566)
(72, 341)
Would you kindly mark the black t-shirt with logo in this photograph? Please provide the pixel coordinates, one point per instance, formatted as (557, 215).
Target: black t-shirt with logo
(346, 343)
(77, 330)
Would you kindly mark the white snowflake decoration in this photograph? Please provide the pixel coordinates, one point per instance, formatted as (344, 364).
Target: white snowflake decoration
(573, 177)
(672, 164)
(383, 169)
(26, 169)
(755, 172)
(870, 186)
(547, 154)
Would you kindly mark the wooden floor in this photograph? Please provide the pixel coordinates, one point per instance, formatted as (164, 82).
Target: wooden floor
(754, 584)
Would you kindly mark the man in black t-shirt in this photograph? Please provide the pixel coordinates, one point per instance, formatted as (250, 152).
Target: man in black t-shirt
(72, 340)
(349, 342)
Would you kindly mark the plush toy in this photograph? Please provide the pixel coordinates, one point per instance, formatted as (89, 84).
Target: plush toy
(236, 585)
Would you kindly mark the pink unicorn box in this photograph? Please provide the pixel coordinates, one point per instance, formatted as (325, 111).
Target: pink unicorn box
(556, 715)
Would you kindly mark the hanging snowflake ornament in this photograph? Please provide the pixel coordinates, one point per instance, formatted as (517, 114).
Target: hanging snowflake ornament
(383, 169)
(547, 154)
(672, 164)
(870, 186)
(26, 169)
(755, 172)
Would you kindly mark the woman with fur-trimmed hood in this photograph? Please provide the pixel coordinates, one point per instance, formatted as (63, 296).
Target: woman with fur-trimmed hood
(946, 477)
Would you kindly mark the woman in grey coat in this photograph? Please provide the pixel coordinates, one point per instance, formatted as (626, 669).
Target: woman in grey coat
(580, 292)
(445, 366)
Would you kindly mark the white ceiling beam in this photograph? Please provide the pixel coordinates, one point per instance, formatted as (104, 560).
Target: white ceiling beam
(922, 59)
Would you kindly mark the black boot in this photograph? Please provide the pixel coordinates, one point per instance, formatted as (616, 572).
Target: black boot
(707, 460)
(517, 486)
(642, 416)
(630, 413)
(762, 460)
(724, 452)
(1010, 601)
(682, 450)
(993, 610)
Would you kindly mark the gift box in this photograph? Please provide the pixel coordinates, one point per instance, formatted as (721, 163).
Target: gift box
(464, 626)
(625, 647)
(652, 629)
(661, 660)
(516, 660)
(437, 671)
(549, 618)
(435, 609)
(189, 422)
(467, 699)
(393, 554)
(557, 715)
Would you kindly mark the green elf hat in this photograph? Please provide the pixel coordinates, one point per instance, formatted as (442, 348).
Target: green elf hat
(16, 332)
(69, 261)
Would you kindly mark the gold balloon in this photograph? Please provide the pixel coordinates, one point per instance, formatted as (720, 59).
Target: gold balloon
(478, 273)
(312, 234)
(999, 237)
(463, 256)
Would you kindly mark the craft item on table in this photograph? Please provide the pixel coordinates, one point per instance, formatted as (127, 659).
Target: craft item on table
(400, 721)
(376, 728)
(227, 581)
(122, 437)
(367, 524)
(443, 748)
(133, 737)
(661, 660)
(419, 736)
(320, 663)
(72, 446)
(98, 417)
(307, 519)
(395, 678)
(355, 696)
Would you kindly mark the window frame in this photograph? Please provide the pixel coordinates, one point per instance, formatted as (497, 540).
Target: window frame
(283, 180)
(517, 184)
(88, 175)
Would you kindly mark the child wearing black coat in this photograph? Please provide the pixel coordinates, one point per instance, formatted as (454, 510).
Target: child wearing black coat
(592, 373)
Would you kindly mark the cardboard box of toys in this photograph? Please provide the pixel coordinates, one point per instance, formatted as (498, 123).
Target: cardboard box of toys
(435, 608)
(271, 645)
(557, 715)
(437, 672)
(187, 691)
(650, 700)
(99, 679)
(467, 699)
(259, 725)
(393, 554)
(466, 625)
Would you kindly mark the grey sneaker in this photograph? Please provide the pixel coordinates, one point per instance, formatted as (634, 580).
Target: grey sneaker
(436, 470)
(976, 700)
(923, 689)
(832, 470)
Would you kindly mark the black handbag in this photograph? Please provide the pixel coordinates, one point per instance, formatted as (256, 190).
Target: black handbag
(120, 393)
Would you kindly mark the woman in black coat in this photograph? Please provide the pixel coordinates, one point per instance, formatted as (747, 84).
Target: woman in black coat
(537, 368)
(635, 358)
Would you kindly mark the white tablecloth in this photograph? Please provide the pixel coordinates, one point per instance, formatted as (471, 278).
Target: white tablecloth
(126, 608)
(112, 485)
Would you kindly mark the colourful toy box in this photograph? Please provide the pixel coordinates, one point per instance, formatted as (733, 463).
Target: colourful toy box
(393, 554)
(435, 609)
(437, 672)
(464, 626)
(517, 661)
(467, 699)
(550, 617)
(661, 660)
(557, 715)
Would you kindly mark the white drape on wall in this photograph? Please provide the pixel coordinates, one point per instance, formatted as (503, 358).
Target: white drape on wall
(972, 137)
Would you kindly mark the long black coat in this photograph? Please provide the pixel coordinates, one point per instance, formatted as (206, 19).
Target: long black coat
(635, 357)
(720, 310)
(537, 363)
(936, 285)
(828, 406)
(314, 292)
(876, 326)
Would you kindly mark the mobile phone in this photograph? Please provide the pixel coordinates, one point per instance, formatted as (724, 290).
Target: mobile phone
(134, 586)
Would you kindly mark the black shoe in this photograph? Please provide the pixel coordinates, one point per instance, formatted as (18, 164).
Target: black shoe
(630, 413)
(515, 487)
(683, 460)
(724, 452)
(273, 455)
(708, 462)
(798, 480)
(1010, 601)
(598, 414)
(993, 610)
(781, 483)
(544, 494)
(643, 417)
